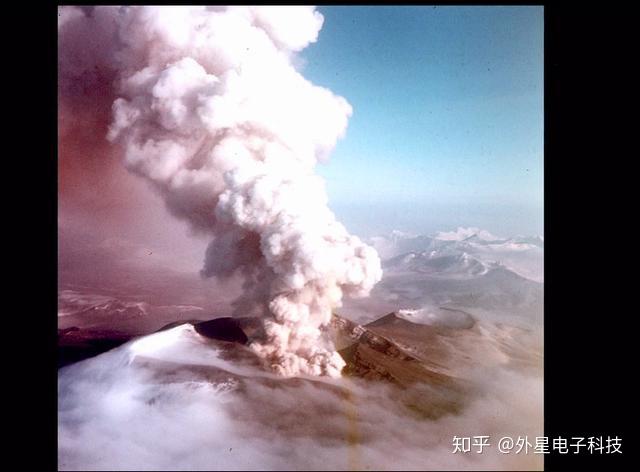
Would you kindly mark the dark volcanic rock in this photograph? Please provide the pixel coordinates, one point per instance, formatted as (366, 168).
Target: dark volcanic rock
(223, 329)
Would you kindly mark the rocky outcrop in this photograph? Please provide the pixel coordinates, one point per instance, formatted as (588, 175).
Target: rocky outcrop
(371, 356)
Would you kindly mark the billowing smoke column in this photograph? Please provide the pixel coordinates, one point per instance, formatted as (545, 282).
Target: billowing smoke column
(210, 109)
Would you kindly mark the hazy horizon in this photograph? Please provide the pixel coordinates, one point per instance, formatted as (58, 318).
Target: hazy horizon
(448, 116)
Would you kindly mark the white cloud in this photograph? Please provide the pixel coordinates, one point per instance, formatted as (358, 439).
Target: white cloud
(164, 405)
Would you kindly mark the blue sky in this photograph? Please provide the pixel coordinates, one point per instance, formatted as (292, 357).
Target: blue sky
(447, 128)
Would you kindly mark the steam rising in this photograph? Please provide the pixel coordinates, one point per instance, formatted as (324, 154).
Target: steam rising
(210, 109)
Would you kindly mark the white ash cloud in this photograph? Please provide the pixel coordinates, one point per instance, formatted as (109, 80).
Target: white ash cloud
(209, 109)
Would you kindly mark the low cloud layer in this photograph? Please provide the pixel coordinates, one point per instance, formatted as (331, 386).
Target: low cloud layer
(174, 402)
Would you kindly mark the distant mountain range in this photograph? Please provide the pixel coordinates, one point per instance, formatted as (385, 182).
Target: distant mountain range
(465, 252)
(467, 269)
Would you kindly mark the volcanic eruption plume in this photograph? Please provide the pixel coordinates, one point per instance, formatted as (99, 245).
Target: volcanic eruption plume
(208, 107)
